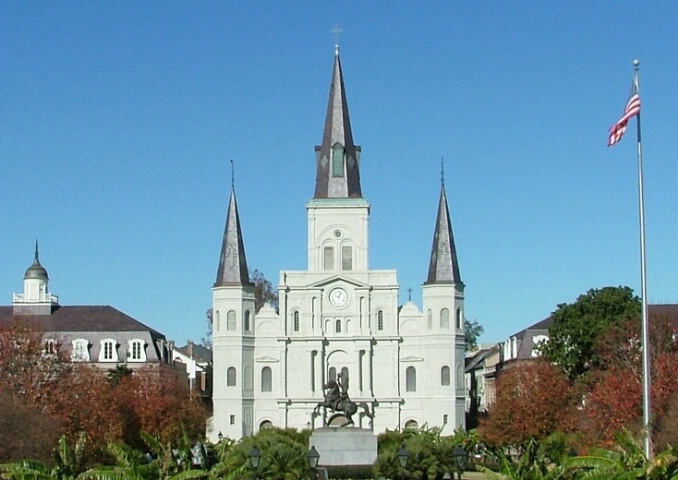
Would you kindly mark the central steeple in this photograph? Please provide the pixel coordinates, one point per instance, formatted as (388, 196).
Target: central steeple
(337, 159)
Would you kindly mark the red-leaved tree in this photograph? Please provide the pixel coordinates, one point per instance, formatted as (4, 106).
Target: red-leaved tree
(533, 400)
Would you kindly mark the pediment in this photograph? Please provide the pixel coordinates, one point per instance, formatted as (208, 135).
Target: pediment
(266, 359)
(338, 278)
(411, 358)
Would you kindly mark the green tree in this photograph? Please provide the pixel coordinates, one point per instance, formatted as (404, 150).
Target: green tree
(472, 331)
(283, 456)
(67, 463)
(577, 327)
(264, 292)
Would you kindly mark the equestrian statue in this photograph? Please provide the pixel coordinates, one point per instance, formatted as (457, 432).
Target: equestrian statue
(337, 399)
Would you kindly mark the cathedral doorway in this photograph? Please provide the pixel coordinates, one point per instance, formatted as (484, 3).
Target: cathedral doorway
(411, 425)
(265, 424)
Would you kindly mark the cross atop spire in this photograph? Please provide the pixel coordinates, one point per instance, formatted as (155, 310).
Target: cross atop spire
(337, 31)
(442, 172)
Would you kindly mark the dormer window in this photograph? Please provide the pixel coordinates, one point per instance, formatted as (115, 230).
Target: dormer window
(109, 351)
(136, 351)
(49, 347)
(80, 350)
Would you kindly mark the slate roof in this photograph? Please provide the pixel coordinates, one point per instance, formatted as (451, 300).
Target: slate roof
(443, 266)
(200, 352)
(232, 261)
(96, 318)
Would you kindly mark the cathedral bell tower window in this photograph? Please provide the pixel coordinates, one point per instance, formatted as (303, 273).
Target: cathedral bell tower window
(328, 258)
(346, 257)
(338, 161)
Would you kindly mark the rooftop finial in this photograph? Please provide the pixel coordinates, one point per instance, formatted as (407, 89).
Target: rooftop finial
(232, 175)
(37, 259)
(336, 31)
(442, 172)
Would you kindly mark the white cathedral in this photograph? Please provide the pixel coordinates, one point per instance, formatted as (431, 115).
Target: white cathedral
(338, 316)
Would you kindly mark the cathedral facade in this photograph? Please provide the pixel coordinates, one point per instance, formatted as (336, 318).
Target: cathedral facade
(404, 367)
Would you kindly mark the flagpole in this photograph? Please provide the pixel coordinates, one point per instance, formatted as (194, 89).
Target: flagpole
(647, 409)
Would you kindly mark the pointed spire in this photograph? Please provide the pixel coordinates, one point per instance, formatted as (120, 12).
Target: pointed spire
(36, 260)
(337, 174)
(443, 267)
(232, 262)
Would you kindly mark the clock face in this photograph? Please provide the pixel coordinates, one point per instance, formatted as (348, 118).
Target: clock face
(338, 297)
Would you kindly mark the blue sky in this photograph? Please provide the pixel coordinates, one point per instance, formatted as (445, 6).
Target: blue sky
(117, 121)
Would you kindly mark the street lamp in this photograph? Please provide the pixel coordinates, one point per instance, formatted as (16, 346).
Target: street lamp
(220, 436)
(459, 455)
(403, 455)
(313, 457)
(255, 458)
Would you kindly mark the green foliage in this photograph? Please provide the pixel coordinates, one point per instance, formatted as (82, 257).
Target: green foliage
(472, 331)
(578, 326)
(283, 456)
(430, 453)
(68, 463)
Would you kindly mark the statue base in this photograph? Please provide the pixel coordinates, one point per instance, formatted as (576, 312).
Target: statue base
(345, 446)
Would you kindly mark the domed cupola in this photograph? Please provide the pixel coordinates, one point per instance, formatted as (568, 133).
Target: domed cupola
(36, 299)
(36, 271)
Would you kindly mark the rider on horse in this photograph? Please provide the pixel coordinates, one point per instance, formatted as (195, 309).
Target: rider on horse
(336, 392)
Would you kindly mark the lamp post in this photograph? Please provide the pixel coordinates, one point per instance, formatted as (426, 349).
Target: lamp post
(459, 455)
(220, 436)
(403, 455)
(313, 457)
(255, 459)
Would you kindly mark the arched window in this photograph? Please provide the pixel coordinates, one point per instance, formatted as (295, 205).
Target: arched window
(247, 321)
(411, 379)
(328, 257)
(460, 376)
(344, 375)
(230, 320)
(429, 319)
(380, 320)
(337, 326)
(266, 379)
(445, 318)
(230, 377)
(332, 374)
(218, 320)
(460, 319)
(411, 425)
(445, 376)
(346, 257)
(296, 321)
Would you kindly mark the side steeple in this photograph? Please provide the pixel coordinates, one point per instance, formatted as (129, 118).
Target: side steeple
(337, 159)
(444, 266)
(232, 262)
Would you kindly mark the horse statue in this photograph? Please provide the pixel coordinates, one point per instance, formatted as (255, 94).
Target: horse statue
(337, 399)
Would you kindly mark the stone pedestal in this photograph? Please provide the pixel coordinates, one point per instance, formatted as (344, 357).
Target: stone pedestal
(345, 446)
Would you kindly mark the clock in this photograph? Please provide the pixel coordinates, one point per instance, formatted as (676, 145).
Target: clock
(338, 297)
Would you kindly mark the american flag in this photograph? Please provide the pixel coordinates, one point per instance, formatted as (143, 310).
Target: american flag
(632, 109)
